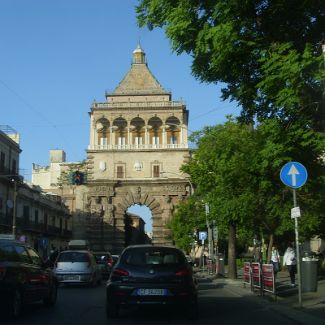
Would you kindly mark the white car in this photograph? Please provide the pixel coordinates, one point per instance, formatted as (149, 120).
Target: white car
(77, 266)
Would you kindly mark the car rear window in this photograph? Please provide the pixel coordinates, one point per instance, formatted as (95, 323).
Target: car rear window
(151, 255)
(73, 257)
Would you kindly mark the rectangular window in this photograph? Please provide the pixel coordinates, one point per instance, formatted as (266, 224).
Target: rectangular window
(14, 167)
(156, 171)
(45, 220)
(26, 212)
(36, 216)
(119, 172)
(2, 161)
(103, 141)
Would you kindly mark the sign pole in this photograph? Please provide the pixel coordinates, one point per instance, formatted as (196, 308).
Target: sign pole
(297, 250)
(294, 175)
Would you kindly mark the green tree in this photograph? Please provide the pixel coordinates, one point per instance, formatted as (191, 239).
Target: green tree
(236, 168)
(268, 53)
(187, 220)
(221, 169)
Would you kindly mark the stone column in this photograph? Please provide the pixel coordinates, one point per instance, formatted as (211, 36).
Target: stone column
(110, 135)
(164, 137)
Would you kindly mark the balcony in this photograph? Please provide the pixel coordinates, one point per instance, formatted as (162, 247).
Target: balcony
(138, 146)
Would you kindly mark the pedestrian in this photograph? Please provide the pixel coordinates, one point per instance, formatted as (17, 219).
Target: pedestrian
(275, 260)
(289, 260)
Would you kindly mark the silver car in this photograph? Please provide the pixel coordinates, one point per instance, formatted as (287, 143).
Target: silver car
(77, 266)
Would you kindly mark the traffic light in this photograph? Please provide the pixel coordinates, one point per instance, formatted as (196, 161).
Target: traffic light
(77, 178)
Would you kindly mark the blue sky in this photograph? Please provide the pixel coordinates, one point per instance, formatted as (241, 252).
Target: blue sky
(58, 56)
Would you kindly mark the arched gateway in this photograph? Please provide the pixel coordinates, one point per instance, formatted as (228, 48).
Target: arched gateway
(138, 142)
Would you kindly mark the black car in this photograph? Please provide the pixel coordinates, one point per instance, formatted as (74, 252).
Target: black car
(149, 275)
(24, 278)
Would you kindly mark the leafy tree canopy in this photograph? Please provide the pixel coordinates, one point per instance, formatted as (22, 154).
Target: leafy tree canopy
(236, 168)
(267, 52)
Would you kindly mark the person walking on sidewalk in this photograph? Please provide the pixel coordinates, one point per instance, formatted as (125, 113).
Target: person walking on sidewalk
(290, 261)
(275, 260)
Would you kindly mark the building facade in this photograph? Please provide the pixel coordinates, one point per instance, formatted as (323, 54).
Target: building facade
(138, 142)
(39, 218)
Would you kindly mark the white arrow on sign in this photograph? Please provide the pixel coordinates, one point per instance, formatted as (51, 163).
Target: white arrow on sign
(293, 172)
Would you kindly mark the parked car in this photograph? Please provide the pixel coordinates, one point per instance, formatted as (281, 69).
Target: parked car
(148, 275)
(105, 262)
(24, 277)
(77, 266)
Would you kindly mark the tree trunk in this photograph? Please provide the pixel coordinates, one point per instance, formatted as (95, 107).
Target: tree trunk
(232, 267)
(269, 249)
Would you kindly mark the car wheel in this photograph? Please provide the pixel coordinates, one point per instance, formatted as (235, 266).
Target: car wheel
(16, 304)
(112, 310)
(51, 299)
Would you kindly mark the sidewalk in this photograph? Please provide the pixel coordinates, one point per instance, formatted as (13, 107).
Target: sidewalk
(286, 300)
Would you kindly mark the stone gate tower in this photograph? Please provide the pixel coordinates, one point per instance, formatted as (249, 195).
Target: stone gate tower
(138, 142)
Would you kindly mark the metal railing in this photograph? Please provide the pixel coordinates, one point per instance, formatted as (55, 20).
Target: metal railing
(137, 146)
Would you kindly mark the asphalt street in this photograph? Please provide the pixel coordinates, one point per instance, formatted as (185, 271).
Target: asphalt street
(219, 302)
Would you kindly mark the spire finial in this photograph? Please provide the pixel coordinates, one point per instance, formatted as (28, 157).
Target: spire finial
(138, 54)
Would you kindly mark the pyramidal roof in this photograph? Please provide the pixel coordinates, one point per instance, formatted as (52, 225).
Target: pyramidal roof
(139, 80)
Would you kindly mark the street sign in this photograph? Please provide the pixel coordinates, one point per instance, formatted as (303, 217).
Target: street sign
(293, 174)
(295, 212)
(203, 235)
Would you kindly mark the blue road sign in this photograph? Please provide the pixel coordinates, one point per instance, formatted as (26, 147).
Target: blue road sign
(203, 235)
(293, 174)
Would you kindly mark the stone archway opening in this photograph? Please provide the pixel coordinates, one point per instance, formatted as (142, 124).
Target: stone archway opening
(138, 225)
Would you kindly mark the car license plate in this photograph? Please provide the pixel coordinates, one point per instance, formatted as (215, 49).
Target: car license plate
(152, 292)
(72, 277)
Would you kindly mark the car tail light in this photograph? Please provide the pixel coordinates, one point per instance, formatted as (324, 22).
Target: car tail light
(2, 272)
(182, 273)
(120, 272)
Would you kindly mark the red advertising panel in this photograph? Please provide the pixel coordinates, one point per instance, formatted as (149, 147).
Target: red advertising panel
(268, 278)
(256, 274)
(247, 272)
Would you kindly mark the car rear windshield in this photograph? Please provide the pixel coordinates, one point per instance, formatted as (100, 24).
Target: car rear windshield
(73, 257)
(152, 255)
